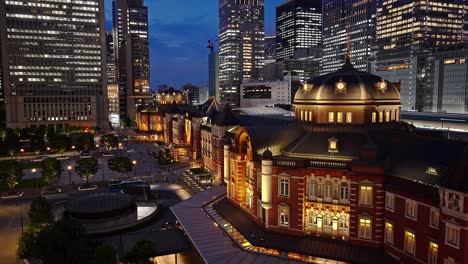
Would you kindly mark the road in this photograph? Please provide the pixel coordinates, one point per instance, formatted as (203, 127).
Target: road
(10, 230)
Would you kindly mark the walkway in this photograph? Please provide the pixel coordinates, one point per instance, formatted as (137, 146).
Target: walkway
(211, 242)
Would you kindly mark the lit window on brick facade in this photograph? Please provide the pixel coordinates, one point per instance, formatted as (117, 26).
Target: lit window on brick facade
(411, 209)
(284, 216)
(432, 254)
(410, 243)
(434, 215)
(365, 195)
(389, 202)
(388, 233)
(365, 228)
(452, 235)
(283, 186)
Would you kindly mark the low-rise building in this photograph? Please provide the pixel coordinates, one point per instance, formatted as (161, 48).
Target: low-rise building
(265, 93)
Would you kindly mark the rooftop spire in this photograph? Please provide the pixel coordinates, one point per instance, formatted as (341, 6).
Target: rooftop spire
(348, 50)
(348, 65)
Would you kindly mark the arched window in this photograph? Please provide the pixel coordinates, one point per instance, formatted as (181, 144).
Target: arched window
(328, 189)
(313, 188)
(344, 193)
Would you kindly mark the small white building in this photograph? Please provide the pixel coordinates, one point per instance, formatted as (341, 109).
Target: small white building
(265, 93)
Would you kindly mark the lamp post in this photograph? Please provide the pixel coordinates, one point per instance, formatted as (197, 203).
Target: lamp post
(134, 162)
(69, 173)
(22, 152)
(34, 176)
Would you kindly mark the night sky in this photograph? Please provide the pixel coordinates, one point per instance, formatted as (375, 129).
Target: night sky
(179, 31)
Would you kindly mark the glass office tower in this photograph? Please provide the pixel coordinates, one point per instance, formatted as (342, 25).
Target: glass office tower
(54, 63)
(407, 33)
(343, 18)
(241, 46)
(131, 45)
(298, 26)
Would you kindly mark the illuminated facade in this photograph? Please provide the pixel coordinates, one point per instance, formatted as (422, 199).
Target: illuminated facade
(270, 49)
(353, 19)
(171, 95)
(53, 63)
(407, 32)
(298, 26)
(349, 170)
(131, 45)
(241, 46)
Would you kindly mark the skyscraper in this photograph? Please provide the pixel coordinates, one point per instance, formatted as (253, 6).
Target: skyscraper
(213, 74)
(53, 63)
(298, 26)
(343, 20)
(110, 57)
(407, 31)
(241, 45)
(131, 45)
(270, 49)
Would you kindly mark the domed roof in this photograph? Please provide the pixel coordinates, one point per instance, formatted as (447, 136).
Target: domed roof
(347, 84)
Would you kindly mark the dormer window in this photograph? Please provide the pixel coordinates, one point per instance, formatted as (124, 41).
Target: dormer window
(382, 86)
(308, 87)
(332, 145)
(432, 171)
(340, 87)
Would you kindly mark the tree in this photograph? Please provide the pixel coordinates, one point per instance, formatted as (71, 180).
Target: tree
(60, 142)
(86, 168)
(12, 172)
(51, 168)
(104, 254)
(110, 140)
(140, 253)
(27, 244)
(120, 164)
(40, 213)
(165, 157)
(82, 141)
(62, 242)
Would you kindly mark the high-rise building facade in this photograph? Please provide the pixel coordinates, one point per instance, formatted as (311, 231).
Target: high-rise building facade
(407, 32)
(270, 49)
(54, 63)
(110, 57)
(131, 45)
(346, 21)
(241, 45)
(213, 74)
(298, 26)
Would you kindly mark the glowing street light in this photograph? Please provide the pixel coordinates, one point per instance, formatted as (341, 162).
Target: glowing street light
(134, 162)
(69, 173)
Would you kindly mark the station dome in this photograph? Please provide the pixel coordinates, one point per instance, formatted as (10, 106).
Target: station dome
(348, 96)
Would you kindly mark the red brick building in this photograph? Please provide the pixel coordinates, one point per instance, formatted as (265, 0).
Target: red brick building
(348, 169)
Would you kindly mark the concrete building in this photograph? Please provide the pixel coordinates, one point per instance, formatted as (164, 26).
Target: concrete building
(405, 40)
(195, 94)
(131, 45)
(298, 26)
(241, 46)
(343, 20)
(265, 93)
(54, 63)
(213, 75)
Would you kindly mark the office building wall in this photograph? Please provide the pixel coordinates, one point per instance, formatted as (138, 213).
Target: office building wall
(241, 46)
(54, 63)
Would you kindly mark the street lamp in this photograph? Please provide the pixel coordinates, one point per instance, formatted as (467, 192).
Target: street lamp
(22, 151)
(69, 173)
(48, 148)
(134, 162)
(34, 176)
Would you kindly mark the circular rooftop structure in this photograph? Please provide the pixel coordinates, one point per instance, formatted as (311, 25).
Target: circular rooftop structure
(101, 205)
(348, 96)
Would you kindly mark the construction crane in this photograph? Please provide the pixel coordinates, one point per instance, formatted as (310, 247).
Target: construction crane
(210, 46)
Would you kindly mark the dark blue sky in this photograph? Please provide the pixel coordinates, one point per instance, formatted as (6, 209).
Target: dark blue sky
(179, 31)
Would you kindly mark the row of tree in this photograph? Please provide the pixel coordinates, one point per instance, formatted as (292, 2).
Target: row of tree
(66, 241)
(88, 167)
(36, 139)
(11, 171)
